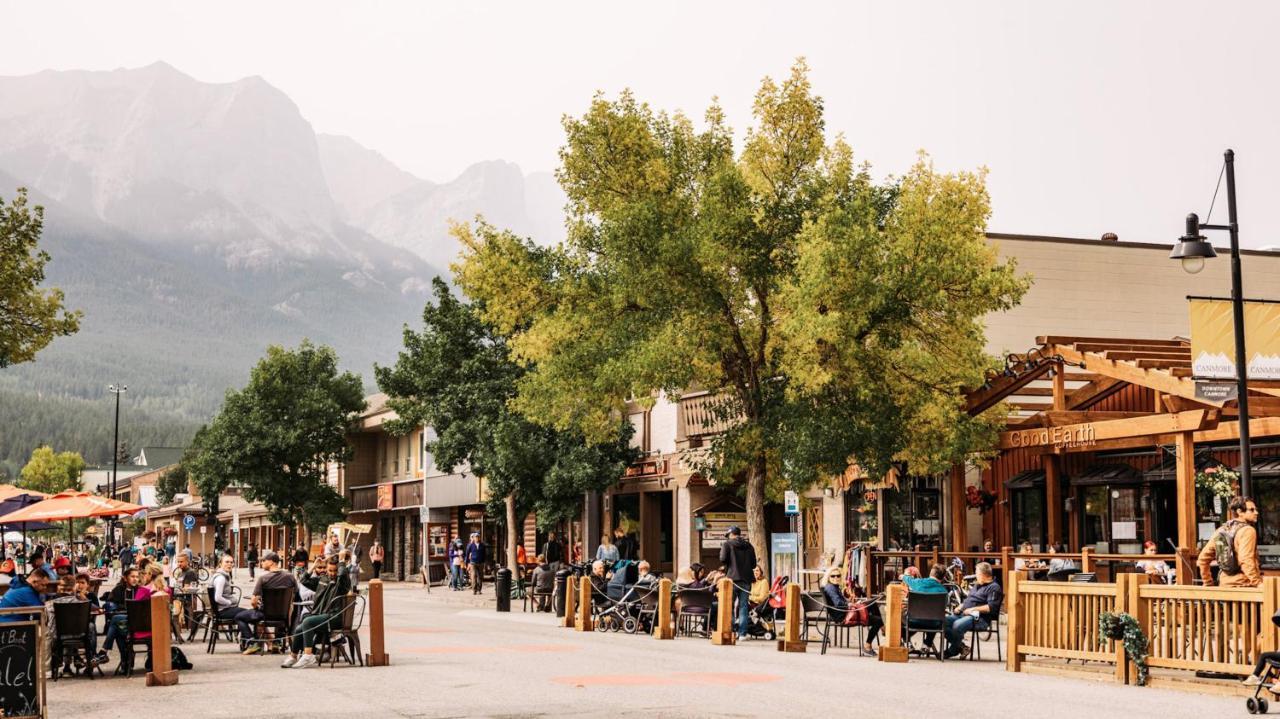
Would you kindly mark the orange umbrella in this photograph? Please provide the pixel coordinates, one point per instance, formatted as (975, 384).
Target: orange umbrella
(70, 504)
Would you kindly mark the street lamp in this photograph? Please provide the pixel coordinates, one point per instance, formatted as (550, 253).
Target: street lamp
(1192, 250)
(117, 390)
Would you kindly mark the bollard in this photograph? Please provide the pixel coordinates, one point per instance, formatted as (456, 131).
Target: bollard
(662, 627)
(376, 657)
(723, 634)
(570, 603)
(162, 673)
(562, 580)
(791, 640)
(893, 651)
(583, 621)
(502, 585)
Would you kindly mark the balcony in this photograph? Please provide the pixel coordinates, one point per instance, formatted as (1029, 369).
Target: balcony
(702, 415)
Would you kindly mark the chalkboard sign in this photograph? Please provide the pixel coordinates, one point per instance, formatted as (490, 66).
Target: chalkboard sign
(21, 676)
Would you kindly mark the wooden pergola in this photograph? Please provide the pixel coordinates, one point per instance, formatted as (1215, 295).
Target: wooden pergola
(1069, 395)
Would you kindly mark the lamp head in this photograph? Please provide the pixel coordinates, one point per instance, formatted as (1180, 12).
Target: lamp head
(1192, 248)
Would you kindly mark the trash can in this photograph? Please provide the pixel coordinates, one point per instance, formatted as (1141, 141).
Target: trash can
(562, 580)
(502, 585)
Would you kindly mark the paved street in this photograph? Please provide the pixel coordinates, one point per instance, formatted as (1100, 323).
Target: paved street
(453, 658)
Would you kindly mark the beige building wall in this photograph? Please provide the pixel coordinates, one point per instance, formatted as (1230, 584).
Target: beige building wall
(1114, 289)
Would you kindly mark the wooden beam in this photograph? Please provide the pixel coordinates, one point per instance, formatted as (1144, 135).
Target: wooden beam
(1258, 407)
(1034, 392)
(1094, 392)
(1125, 347)
(1086, 434)
(1059, 389)
(1181, 404)
(1053, 497)
(1069, 339)
(1186, 490)
(1131, 356)
(981, 400)
(1031, 406)
(1162, 364)
(1265, 427)
(1160, 381)
(1082, 376)
(1058, 418)
(959, 512)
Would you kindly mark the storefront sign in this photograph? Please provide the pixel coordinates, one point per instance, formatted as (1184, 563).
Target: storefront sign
(1213, 353)
(385, 497)
(718, 523)
(649, 468)
(473, 514)
(1070, 436)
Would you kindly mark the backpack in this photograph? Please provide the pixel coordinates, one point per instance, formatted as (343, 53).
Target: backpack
(177, 660)
(1224, 543)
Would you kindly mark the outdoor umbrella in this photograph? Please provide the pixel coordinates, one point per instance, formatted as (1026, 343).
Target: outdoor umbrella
(67, 506)
(14, 498)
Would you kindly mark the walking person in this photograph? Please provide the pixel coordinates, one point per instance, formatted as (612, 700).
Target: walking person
(474, 557)
(251, 557)
(1234, 546)
(377, 553)
(739, 560)
(553, 550)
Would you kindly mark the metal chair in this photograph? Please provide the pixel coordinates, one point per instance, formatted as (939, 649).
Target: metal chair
(926, 612)
(695, 611)
(993, 627)
(277, 613)
(213, 623)
(137, 621)
(536, 593)
(346, 633)
(71, 632)
(816, 613)
(648, 614)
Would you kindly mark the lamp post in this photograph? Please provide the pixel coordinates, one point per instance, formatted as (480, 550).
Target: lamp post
(1192, 250)
(117, 390)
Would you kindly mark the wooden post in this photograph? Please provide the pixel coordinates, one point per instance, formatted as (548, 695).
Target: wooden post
(723, 634)
(1270, 605)
(662, 628)
(959, 511)
(1017, 628)
(1141, 611)
(1122, 605)
(1086, 559)
(1006, 564)
(891, 650)
(936, 559)
(162, 673)
(583, 621)
(570, 603)
(791, 640)
(377, 655)
(1052, 495)
(1186, 494)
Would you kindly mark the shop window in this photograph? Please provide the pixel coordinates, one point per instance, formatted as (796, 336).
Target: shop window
(1113, 519)
(1029, 517)
(915, 514)
(862, 519)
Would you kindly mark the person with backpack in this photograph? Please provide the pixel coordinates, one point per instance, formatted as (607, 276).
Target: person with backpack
(739, 560)
(1235, 547)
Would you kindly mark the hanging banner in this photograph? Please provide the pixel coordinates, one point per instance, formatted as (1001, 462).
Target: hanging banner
(1213, 353)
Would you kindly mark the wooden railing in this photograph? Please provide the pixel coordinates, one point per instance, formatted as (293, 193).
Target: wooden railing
(704, 415)
(1211, 629)
(887, 566)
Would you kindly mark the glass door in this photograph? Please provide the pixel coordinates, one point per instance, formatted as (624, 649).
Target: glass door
(1029, 517)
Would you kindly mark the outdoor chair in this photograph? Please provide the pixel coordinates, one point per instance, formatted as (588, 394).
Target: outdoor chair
(137, 621)
(1062, 575)
(926, 612)
(343, 637)
(277, 613)
(648, 614)
(816, 613)
(71, 628)
(695, 612)
(213, 624)
(535, 596)
(993, 627)
(1083, 577)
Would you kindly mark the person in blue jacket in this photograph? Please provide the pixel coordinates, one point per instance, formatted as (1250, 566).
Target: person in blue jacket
(24, 593)
(473, 557)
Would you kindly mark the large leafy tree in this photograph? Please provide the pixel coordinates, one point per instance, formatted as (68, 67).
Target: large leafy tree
(30, 317)
(457, 377)
(275, 436)
(836, 318)
(52, 472)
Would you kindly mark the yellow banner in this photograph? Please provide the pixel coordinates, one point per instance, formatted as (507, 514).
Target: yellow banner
(1213, 353)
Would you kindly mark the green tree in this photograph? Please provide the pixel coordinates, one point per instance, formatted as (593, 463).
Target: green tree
(836, 318)
(51, 472)
(457, 377)
(171, 483)
(30, 317)
(275, 436)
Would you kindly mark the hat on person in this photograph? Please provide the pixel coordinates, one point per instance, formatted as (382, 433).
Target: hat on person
(269, 556)
(61, 562)
(733, 530)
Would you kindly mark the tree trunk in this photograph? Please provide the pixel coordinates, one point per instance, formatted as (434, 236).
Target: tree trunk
(511, 533)
(755, 512)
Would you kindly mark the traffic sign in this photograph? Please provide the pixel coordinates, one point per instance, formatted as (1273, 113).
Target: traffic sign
(792, 502)
(189, 522)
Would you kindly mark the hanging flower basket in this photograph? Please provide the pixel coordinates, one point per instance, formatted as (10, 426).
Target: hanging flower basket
(1217, 481)
(979, 499)
(1119, 626)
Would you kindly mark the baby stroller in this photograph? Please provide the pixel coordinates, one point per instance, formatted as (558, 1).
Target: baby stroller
(625, 612)
(763, 617)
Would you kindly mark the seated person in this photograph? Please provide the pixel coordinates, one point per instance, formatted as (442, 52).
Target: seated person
(1019, 563)
(76, 589)
(759, 587)
(326, 609)
(935, 583)
(62, 567)
(183, 575)
(599, 584)
(273, 577)
(544, 582)
(645, 577)
(1152, 567)
(1059, 565)
(224, 589)
(832, 595)
(114, 606)
(980, 608)
(26, 592)
(36, 561)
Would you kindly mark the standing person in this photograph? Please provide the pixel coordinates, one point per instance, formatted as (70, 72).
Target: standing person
(333, 547)
(1235, 547)
(607, 552)
(300, 557)
(455, 564)
(553, 550)
(474, 558)
(251, 557)
(377, 554)
(126, 557)
(628, 547)
(739, 560)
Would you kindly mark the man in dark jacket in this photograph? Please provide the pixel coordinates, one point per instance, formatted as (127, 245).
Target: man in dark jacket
(553, 550)
(738, 558)
(326, 610)
(474, 557)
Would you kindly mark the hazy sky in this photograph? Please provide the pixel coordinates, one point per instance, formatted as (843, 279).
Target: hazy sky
(1091, 116)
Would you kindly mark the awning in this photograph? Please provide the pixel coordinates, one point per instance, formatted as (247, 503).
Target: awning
(1167, 470)
(1102, 474)
(1026, 480)
(1266, 467)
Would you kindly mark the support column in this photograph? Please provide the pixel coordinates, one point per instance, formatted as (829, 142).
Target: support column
(1052, 496)
(1186, 491)
(959, 511)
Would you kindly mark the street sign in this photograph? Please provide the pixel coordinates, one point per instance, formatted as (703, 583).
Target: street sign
(792, 502)
(424, 512)
(189, 522)
(1216, 391)
(204, 528)
(235, 521)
